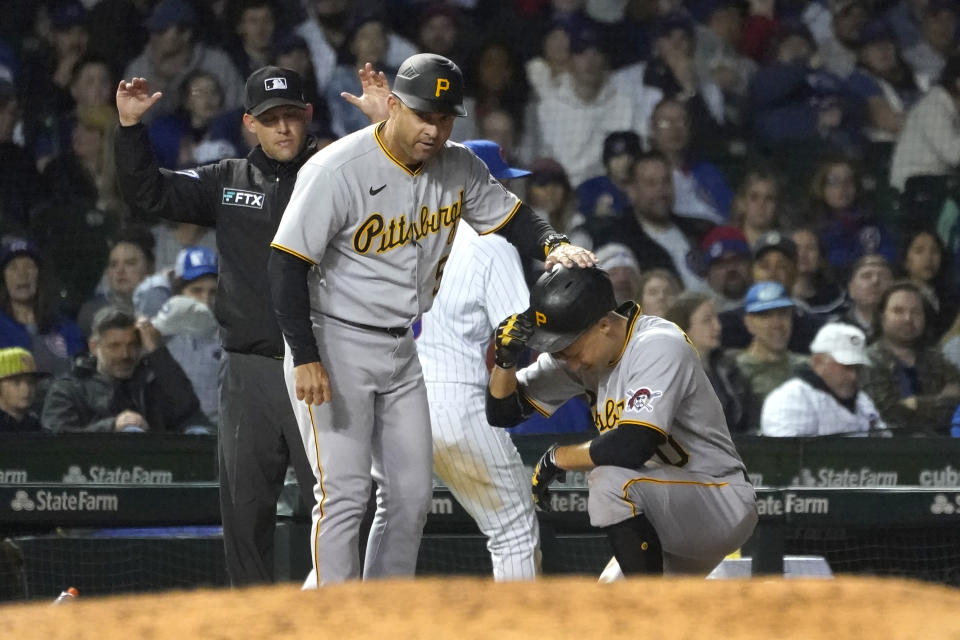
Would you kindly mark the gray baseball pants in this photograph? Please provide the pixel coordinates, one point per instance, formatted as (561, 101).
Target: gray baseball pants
(376, 429)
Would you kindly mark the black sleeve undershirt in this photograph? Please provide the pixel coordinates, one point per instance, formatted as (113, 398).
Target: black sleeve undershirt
(629, 445)
(527, 232)
(291, 304)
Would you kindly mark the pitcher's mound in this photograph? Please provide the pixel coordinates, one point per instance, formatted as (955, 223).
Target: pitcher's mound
(553, 608)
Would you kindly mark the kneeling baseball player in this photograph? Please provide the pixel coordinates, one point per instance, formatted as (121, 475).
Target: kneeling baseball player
(667, 485)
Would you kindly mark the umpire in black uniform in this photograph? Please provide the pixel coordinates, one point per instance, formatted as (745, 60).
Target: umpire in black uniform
(244, 200)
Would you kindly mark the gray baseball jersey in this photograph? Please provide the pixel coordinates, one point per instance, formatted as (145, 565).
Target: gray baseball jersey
(482, 284)
(379, 234)
(693, 489)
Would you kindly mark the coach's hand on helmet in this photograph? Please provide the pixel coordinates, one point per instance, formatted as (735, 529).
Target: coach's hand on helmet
(570, 255)
(511, 339)
(545, 473)
(312, 383)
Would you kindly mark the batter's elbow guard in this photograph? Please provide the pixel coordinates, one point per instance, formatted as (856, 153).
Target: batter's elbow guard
(504, 412)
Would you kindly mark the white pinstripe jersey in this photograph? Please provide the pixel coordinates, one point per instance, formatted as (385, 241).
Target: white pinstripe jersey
(482, 284)
(381, 233)
(657, 382)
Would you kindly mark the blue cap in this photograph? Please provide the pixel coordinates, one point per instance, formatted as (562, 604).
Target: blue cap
(194, 262)
(65, 15)
(492, 156)
(15, 247)
(767, 295)
(169, 13)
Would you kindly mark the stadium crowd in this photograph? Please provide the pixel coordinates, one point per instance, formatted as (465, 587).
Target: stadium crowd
(778, 177)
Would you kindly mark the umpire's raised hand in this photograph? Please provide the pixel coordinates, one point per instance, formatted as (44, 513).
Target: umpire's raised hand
(134, 99)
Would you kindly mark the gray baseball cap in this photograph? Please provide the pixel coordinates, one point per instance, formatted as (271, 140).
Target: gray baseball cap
(431, 83)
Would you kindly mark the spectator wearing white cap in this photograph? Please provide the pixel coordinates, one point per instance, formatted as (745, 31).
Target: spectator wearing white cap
(825, 397)
(619, 262)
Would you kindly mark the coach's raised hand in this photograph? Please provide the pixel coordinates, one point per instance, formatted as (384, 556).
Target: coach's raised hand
(134, 99)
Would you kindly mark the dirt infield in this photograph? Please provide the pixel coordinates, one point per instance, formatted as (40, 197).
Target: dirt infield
(462, 608)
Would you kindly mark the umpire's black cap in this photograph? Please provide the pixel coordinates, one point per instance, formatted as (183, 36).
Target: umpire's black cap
(565, 303)
(430, 83)
(270, 87)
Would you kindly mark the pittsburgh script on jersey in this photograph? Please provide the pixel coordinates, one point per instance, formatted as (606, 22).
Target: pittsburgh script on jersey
(399, 231)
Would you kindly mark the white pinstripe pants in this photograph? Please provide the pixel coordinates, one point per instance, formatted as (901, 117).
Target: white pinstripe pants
(482, 468)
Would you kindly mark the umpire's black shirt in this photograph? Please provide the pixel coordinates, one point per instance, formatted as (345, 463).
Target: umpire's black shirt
(244, 200)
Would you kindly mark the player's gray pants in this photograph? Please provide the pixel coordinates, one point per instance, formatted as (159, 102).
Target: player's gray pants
(377, 426)
(699, 518)
(482, 468)
(258, 439)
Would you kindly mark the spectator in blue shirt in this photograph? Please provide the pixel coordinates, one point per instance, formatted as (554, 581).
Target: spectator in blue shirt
(792, 99)
(848, 229)
(27, 317)
(605, 196)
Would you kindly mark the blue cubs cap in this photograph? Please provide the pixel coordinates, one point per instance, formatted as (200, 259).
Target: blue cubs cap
(492, 156)
(65, 15)
(168, 13)
(766, 296)
(195, 262)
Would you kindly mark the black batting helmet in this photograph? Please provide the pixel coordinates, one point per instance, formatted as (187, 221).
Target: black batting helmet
(431, 83)
(564, 303)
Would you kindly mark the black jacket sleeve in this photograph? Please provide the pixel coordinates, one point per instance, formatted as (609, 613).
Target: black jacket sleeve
(170, 395)
(152, 193)
(64, 409)
(527, 232)
(291, 304)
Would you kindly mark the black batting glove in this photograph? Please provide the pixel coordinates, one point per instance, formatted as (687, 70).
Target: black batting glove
(544, 473)
(511, 338)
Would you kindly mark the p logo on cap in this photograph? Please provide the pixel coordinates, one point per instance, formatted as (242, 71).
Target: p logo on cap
(273, 84)
(541, 318)
(442, 85)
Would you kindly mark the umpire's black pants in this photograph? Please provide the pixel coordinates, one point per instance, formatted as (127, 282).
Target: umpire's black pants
(259, 436)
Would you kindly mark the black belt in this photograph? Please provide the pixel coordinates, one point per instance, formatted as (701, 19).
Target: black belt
(396, 332)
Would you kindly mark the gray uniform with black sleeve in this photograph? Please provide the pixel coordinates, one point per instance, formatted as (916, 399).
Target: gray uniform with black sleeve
(378, 235)
(693, 490)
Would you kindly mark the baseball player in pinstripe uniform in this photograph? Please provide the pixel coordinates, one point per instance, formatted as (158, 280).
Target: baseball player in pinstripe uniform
(667, 485)
(358, 255)
(482, 283)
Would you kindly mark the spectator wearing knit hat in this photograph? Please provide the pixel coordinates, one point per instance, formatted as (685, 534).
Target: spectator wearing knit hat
(28, 318)
(18, 388)
(604, 196)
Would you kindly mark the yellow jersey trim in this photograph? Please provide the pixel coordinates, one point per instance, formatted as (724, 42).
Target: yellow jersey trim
(640, 423)
(292, 252)
(323, 497)
(633, 481)
(630, 326)
(540, 410)
(386, 152)
(504, 222)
